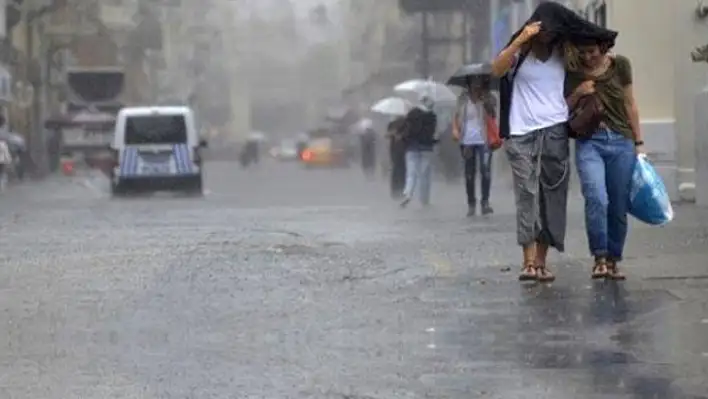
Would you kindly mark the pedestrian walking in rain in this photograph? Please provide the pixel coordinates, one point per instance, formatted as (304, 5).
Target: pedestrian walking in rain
(368, 147)
(5, 164)
(250, 152)
(605, 153)
(468, 128)
(533, 117)
(419, 130)
(397, 153)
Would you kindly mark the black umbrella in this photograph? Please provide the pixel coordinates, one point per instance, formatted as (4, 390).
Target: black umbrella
(481, 71)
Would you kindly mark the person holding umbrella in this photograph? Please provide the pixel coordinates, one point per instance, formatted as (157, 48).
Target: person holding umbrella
(396, 109)
(474, 107)
(419, 136)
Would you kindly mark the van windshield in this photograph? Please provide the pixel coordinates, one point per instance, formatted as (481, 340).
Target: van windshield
(155, 129)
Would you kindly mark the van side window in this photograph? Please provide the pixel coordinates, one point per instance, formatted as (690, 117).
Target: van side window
(155, 129)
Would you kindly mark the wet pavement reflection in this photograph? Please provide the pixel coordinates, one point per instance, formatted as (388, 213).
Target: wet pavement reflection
(273, 292)
(590, 337)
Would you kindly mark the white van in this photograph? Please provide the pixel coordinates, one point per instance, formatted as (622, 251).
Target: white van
(156, 148)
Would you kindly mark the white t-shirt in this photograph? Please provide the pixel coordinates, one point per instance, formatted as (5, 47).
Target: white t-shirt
(473, 125)
(5, 154)
(537, 99)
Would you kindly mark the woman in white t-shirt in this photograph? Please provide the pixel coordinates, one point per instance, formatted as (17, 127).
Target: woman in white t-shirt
(537, 146)
(469, 129)
(533, 118)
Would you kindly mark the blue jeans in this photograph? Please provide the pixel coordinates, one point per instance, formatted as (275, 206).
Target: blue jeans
(418, 174)
(605, 163)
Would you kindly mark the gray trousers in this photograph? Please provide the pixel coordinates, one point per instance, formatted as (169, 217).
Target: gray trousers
(540, 161)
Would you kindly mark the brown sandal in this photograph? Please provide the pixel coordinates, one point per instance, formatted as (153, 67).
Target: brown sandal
(543, 275)
(600, 270)
(613, 272)
(528, 273)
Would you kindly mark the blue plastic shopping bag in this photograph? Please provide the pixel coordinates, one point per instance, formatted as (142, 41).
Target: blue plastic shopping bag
(649, 200)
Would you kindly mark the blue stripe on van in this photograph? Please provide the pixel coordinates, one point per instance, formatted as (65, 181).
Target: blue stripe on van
(134, 157)
(177, 158)
(183, 160)
(181, 154)
(129, 162)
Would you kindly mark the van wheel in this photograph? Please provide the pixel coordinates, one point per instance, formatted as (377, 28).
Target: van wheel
(195, 186)
(117, 189)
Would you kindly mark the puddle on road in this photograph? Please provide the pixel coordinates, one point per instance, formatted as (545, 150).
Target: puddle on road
(603, 340)
(292, 249)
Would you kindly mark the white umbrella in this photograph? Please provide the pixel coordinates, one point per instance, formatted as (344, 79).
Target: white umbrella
(394, 106)
(257, 136)
(438, 92)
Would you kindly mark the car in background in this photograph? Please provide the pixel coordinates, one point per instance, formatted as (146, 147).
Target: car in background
(287, 150)
(325, 152)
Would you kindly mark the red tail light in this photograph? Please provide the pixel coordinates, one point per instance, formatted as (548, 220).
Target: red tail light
(307, 155)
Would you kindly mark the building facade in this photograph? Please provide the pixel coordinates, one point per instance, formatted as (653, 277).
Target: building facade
(383, 43)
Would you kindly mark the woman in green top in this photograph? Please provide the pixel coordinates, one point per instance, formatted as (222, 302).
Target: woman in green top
(605, 161)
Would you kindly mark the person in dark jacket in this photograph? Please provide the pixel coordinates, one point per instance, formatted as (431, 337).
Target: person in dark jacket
(397, 152)
(419, 130)
(249, 153)
(368, 148)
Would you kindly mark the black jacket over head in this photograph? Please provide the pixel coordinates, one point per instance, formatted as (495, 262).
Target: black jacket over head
(566, 27)
(419, 130)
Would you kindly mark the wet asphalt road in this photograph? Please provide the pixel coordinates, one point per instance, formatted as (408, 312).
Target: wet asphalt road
(285, 283)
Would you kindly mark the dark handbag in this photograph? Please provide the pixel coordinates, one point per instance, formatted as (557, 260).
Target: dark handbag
(506, 86)
(585, 117)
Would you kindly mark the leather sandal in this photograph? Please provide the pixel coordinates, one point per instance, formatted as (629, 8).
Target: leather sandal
(544, 275)
(613, 272)
(528, 273)
(600, 270)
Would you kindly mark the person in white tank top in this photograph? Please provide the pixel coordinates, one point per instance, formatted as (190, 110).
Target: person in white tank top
(537, 125)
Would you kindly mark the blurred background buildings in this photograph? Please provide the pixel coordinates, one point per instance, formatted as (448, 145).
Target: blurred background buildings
(281, 66)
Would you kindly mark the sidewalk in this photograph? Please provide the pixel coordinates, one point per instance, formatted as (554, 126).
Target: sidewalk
(643, 338)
